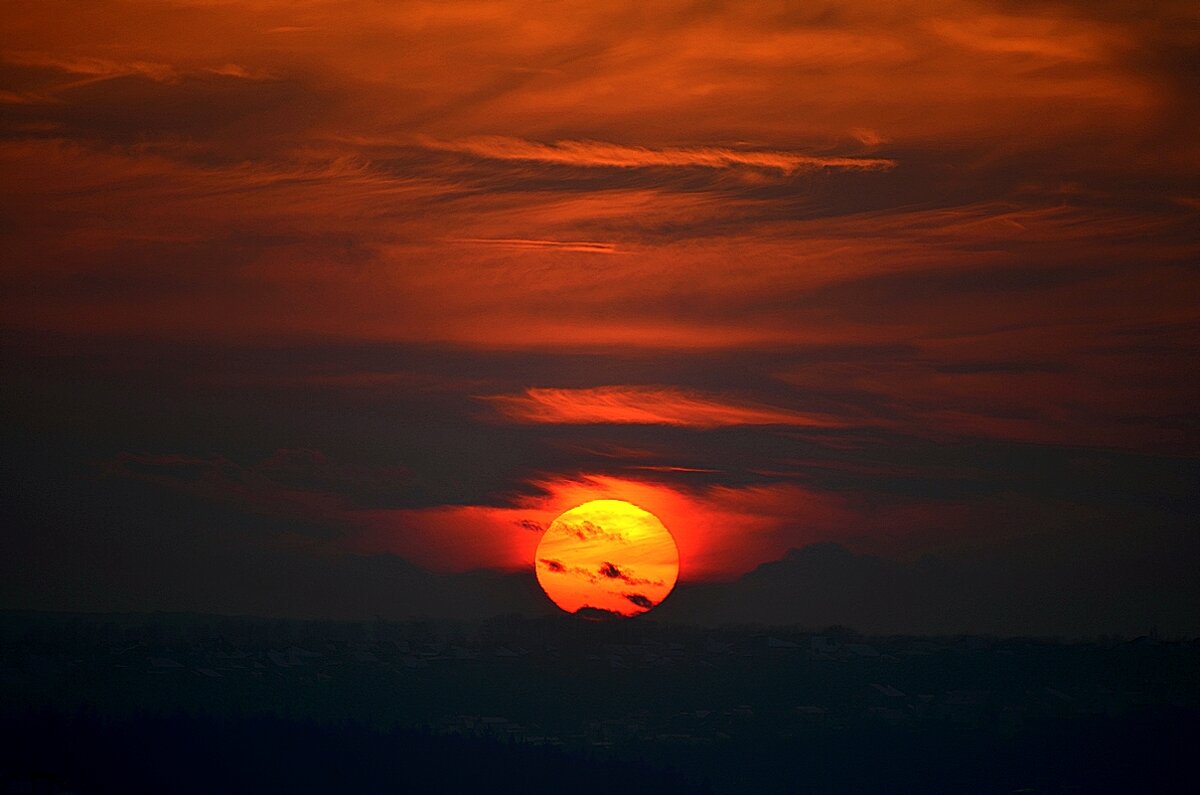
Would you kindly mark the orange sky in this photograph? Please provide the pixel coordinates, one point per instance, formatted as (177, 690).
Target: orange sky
(826, 222)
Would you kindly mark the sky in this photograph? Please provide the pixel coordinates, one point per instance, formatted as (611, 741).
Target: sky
(329, 309)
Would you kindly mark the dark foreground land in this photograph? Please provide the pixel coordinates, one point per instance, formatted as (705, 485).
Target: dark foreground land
(183, 704)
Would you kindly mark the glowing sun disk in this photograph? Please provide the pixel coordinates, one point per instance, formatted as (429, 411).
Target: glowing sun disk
(607, 557)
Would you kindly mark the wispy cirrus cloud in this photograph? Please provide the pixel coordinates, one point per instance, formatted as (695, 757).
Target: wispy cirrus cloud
(583, 246)
(604, 154)
(645, 405)
(87, 69)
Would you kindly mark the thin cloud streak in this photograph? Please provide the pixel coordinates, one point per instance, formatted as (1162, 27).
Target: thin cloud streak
(640, 405)
(583, 246)
(602, 154)
(91, 69)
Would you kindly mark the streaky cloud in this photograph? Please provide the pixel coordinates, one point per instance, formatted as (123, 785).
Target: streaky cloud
(583, 246)
(644, 405)
(603, 154)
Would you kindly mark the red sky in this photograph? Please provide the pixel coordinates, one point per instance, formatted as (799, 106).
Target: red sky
(747, 262)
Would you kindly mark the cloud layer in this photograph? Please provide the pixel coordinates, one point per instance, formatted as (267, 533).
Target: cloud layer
(326, 280)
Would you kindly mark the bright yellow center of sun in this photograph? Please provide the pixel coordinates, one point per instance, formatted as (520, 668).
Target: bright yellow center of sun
(607, 557)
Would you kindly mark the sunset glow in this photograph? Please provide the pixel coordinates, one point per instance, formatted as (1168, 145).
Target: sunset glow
(844, 352)
(363, 283)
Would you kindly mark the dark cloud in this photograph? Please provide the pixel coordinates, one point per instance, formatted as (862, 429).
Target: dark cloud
(613, 572)
(232, 115)
(301, 484)
(1039, 584)
(903, 290)
(597, 614)
(609, 570)
(640, 600)
(590, 531)
(130, 268)
(554, 565)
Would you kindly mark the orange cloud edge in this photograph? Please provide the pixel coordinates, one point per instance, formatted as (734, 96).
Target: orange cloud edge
(645, 405)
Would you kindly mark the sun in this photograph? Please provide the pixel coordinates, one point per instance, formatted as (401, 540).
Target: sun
(607, 558)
